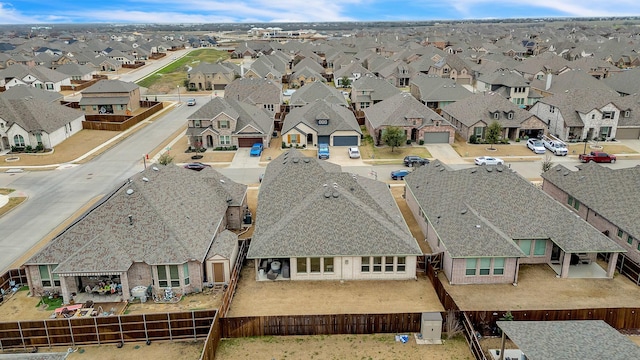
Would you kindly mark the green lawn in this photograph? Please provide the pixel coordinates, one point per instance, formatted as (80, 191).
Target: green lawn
(181, 65)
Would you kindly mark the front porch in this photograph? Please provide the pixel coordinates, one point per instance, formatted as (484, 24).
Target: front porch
(272, 269)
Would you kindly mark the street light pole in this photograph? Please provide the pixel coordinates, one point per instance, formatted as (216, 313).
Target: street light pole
(178, 94)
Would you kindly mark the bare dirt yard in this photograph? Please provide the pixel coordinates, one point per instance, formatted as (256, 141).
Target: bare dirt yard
(397, 192)
(538, 289)
(187, 350)
(377, 346)
(208, 299)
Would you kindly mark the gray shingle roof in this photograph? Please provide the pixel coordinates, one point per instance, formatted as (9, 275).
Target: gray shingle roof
(39, 72)
(482, 107)
(310, 92)
(254, 91)
(613, 201)
(307, 207)
(110, 86)
(223, 245)
(26, 91)
(377, 89)
(626, 82)
(175, 214)
(244, 114)
(340, 118)
(34, 114)
(436, 88)
(569, 340)
(574, 101)
(477, 212)
(396, 110)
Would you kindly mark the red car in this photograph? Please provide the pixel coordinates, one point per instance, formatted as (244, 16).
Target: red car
(596, 156)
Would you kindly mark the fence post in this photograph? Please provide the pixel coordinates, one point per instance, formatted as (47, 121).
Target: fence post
(46, 331)
(121, 335)
(193, 322)
(169, 323)
(22, 336)
(95, 323)
(144, 319)
(73, 341)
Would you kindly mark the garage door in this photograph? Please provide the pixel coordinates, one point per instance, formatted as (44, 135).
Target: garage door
(627, 133)
(248, 142)
(219, 86)
(345, 141)
(436, 138)
(323, 139)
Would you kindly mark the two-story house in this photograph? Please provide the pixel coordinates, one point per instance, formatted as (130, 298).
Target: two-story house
(263, 93)
(110, 97)
(208, 76)
(510, 85)
(37, 76)
(369, 90)
(437, 92)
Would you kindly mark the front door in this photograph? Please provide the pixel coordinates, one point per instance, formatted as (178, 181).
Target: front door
(218, 272)
(209, 141)
(555, 254)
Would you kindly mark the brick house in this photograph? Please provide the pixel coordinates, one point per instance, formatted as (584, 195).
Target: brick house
(110, 97)
(166, 227)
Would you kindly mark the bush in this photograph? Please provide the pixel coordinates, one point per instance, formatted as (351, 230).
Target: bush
(165, 159)
(421, 142)
(28, 149)
(517, 139)
(504, 141)
(39, 148)
(408, 142)
(284, 145)
(473, 139)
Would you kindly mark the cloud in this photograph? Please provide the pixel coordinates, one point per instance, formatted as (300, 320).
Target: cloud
(571, 8)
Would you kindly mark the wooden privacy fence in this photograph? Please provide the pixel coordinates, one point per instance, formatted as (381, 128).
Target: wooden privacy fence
(235, 274)
(13, 277)
(625, 266)
(118, 122)
(470, 335)
(320, 324)
(105, 330)
(213, 340)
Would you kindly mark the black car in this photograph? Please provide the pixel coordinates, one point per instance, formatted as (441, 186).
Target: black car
(197, 166)
(413, 160)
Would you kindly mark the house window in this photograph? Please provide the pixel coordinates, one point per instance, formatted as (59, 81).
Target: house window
(629, 239)
(365, 105)
(525, 246)
(498, 266)
(39, 139)
(496, 115)
(49, 86)
(540, 248)
(268, 107)
(173, 273)
(301, 265)
(364, 264)
(315, 265)
(162, 276)
(328, 265)
(485, 266)
(185, 273)
(627, 113)
(70, 127)
(225, 140)
(620, 232)
(638, 246)
(94, 107)
(402, 264)
(168, 275)
(576, 204)
(83, 108)
(196, 123)
(471, 267)
(18, 140)
(608, 114)
(510, 116)
(593, 116)
(223, 124)
(519, 101)
(552, 109)
(293, 138)
(477, 131)
(570, 200)
(46, 276)
(377, 264)
(388, 264)
(605, 131)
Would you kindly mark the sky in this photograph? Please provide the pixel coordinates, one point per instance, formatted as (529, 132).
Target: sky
(264, 11)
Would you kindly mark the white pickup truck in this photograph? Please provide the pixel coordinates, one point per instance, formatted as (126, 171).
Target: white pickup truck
(555, 145)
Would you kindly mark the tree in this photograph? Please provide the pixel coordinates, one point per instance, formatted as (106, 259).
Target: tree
(165, 159)
(494, 130)
(345, 82)
(393, 136)
(547, 163)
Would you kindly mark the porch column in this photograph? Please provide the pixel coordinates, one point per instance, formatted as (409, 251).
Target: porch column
(611, 267)
(124, 280)
(566, 262)
(67, 286)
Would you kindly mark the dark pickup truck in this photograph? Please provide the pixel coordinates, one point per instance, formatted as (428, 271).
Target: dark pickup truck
(600, 157)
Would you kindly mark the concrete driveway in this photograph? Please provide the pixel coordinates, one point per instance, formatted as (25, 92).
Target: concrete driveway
(340, 155)
(243, 160)
(444, 153)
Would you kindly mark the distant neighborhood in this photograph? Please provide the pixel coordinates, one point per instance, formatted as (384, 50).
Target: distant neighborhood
(280, 96)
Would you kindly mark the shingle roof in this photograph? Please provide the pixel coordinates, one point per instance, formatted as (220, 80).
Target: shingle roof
(254, 91)
(110, 86)
(334, 213)
(317, 90)
(569, 340)
(25, 91)
(223, 245)
(479, 211)
(626, 82)
(340, 118)
(41, 73)
(482, 107)
(398, 109)
(377, 89)
(572, 79)
(574, 101)
(436, 88)
(244, 114)
(175, 214)
(34, 114)
(612, 201)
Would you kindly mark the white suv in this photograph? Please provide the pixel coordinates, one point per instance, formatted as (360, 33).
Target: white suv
(536, 146)
(354, 153)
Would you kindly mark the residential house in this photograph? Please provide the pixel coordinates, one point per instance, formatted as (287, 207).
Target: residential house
(419, 122)
(626, 82)
(480, 219)
(314, 91)
(263, 68)
(551, 84)
(537, 67)
(77, 72)
(164, 228)
(36, 76)
(369, 90)
(510, 85)
(437, 92)
(397, 73)
(454, 67)
(264, 94)
(110, 97)
(352, 72)
(29, 92)
(226, 122)
(629, 120)
(578, 114)
(352, 227)
(604, 207)
(321, 122)
(472, 116)
(34, 122)
(305, 75)
(208, 76)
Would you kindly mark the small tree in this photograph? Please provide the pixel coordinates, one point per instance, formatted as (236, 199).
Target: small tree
(493, 133)
(345, 82)
(547, 163)
(393, 136)
(165, 159)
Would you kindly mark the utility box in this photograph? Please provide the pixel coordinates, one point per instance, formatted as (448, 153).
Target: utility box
(431, 327)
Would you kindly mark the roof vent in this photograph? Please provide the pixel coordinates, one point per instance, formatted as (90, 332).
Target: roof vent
(441, 169)
(489, 169)
(352, 188)
(582, 177)
(145, 179)
(327, 194)
(464, 211)
(336, 194)
(499, 168)
(222, 181)
(130, 219)
(155, 168)
(285, 161)
(296, 160)
(335, 185)
(129, 191)
(306, 160)
(565, 173)
(558, 168)
(474, 171)
(478, 226)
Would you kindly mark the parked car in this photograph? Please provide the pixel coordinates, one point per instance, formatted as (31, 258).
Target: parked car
(323, 151)
(354, 153)
(596, 156)
(197, 166)
(488, 160)
(256, 149)
(413, 160)
(399, 174)
(191, 102)
(555, 145)
(536, 146)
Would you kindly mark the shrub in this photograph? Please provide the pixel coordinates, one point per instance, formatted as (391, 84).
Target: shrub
(408, 142)
(473, 139)
(29, 149)
(284, 145)
(517, 139)
(39, 148)
(165, 159)
(290, 146)
(421, 142)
